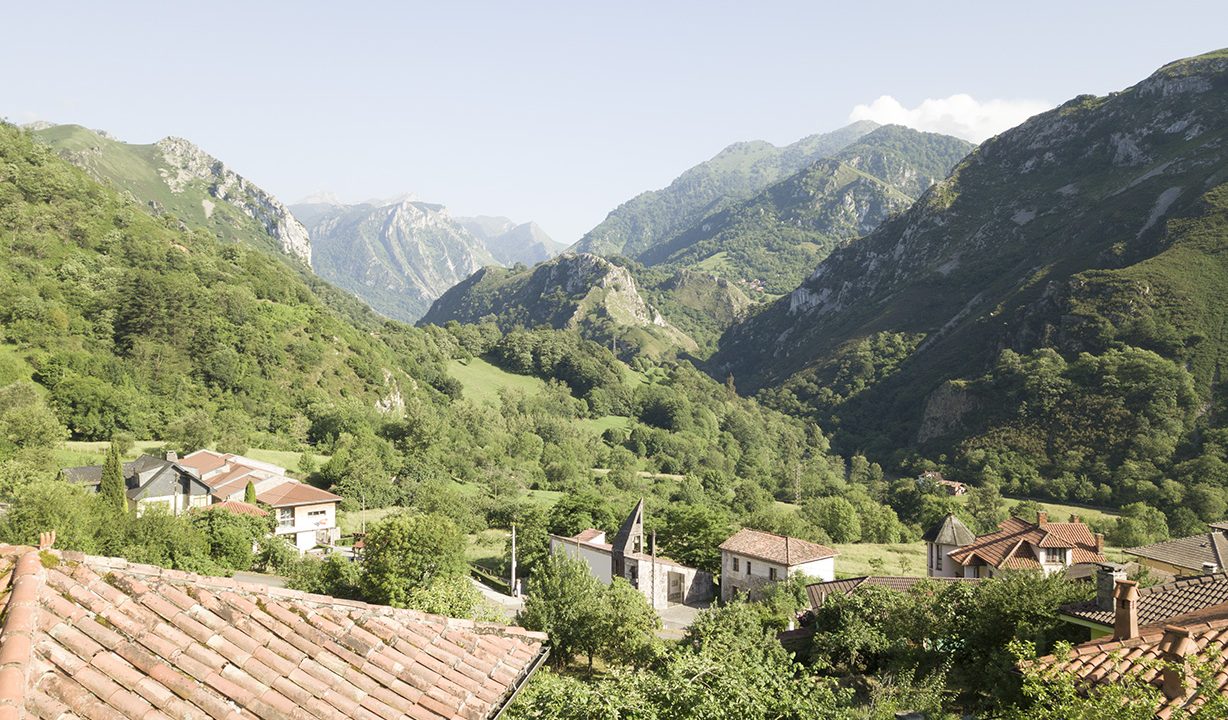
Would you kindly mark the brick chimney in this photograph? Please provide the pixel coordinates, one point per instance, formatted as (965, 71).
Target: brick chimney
(1099, 543)
(1042, 517)
(1176, 645)
(1125, 614)
(1107, 577)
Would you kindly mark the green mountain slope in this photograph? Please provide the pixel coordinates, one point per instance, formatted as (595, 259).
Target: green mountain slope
(397, 257)
(736, 173)
(176, 178)
(1099, 227)
(135, 323)
(772, 241)
(573, 291)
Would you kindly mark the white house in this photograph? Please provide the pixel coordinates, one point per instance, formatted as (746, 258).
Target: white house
(752, 558)
(1020, 545)
(662, 581)
(940, 541)
(306, 515)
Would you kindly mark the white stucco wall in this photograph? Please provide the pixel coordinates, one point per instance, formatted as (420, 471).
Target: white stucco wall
(598, 560)
(950, 568)
(305, 525)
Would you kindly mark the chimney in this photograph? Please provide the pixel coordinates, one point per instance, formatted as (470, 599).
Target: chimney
(1099, 543)
(46, 540)
(1176, 645)
(172, 456)
(1209, 568)
(1042, 517)
(1125, 614)
(1107, 577)
(1074, 518)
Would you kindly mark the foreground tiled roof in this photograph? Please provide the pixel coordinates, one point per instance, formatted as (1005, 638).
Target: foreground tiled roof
(1187, 552)
(1105, 661)
(101, 638)
(775, 548)
(1158, 603)
(818, 592)
(1010, 546)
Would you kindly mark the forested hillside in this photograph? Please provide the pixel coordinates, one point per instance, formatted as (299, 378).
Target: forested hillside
(1048, 317)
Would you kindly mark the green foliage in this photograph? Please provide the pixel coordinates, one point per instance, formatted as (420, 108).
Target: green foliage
(407, 552)
(231, 536)
(627, 626)
(564, 602)
(249, 493)
(112, 488)
(691, 535)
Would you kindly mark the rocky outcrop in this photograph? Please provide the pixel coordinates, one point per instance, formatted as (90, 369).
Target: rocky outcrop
(186, 164)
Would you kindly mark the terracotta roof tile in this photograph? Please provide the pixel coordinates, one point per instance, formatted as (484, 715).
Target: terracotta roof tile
(775, 548)
(1010, 547)
(102, 638)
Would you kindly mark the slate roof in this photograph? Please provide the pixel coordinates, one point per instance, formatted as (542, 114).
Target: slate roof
(818, 592)
(88, 637)
(147, 465)
(1158, 603)
(1010, 547)
(1187, 552)
(787, 551)
(1106, 660)
(951, 531)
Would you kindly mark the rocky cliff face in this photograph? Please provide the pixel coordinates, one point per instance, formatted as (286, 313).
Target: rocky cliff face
(185, 164)
(397, 257)
(576, 291)
(1086, 223)
(175, 177)
(512, 243)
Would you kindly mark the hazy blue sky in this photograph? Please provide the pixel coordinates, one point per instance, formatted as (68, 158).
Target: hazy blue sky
(555, 111)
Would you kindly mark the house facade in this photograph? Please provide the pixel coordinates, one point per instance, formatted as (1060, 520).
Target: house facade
(662, 581)
(306, 515)
(941, 540)
(151, 481)
(751, 559)
(1043, 546)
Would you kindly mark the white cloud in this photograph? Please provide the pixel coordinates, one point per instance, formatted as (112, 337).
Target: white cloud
(960, 115)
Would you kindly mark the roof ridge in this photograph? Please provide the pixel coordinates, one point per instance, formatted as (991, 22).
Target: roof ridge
(111, 564)
(20, 621)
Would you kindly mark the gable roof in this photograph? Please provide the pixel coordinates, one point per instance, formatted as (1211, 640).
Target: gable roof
(1011, 546)
(293, 492)
(818, 592)
(1187, 552)
(1158, 603)
(100, 637)
(782, 550)
(1106, 660)
(147, 467)
(951, 531)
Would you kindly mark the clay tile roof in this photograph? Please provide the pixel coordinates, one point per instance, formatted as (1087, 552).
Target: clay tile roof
(293, 492)
(1187, 552)
(202, 461)
(1106, 660)
(1160, 603)
(775, 548)
(586, 535)
(239, 508)
(104, 638)
(1010, 546)
(951, 531)
(818, 592)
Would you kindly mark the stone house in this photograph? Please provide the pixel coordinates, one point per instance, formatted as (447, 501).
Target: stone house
(662, 581)
(150, 481)
(752, 558)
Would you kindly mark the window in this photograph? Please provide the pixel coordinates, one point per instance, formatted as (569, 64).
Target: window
(316, 513)
(748, 567)
(285, 517)
(735, 564)
(938, 558)
(771, 573)
(1055, 556)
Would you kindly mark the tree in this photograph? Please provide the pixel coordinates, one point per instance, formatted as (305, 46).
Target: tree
(628, 625)
(836, 516)
(1027, 510)
(231, 536)
(112, 488)
(249, 493)
(409, 551)
(576, 512)
(564, 601)
(987, 508)
(452, 596)
(691, 535)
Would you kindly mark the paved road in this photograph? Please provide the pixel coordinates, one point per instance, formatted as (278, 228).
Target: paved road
(508, 605)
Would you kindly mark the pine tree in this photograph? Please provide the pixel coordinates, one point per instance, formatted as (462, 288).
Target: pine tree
(112, 486)
(249, 494)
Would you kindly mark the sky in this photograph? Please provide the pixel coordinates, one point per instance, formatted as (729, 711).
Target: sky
(557, 111)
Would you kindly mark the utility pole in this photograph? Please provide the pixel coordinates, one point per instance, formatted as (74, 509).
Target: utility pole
(515, 590)
(654, 569)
